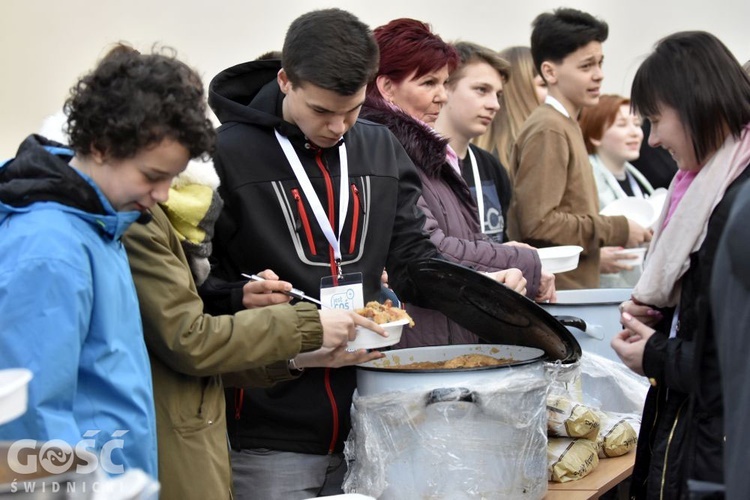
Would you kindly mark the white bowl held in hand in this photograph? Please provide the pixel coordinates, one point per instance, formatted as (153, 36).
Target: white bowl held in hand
(639, 210)
(629, 253)
(559, 259)
(367, 339)
(14, 393)
(658, 199)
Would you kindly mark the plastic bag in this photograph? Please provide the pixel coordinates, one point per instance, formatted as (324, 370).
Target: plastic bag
(566, 418)
(616, 436)
(483, 439)
(571, 459)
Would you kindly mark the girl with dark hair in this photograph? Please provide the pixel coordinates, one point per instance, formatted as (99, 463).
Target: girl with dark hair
(407, 96)
(697, 98)
(68, 306)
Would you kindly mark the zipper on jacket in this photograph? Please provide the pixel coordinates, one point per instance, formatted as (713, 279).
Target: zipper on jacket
(331, 210)
(666, 451)
(355, 218)
(305, 220)
(334, 409)
(239, 396)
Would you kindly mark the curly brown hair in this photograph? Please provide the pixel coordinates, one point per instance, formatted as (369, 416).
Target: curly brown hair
(132, 101)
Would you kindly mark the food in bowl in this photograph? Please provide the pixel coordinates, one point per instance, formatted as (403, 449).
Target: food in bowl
(462, 361)
(384, 313)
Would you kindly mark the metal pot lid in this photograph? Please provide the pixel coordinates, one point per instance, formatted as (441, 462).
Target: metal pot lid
(495, 313)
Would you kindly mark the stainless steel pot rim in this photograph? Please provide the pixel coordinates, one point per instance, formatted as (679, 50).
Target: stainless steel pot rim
(523, 355)
(514, 364)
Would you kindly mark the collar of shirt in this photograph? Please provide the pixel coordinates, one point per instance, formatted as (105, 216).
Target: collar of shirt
(556, 104)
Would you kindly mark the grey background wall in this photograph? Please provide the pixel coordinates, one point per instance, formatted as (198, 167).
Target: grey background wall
(46, 44)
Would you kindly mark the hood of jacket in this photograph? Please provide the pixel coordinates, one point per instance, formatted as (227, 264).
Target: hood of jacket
(40, 173)
(248, 93)
(423, 145)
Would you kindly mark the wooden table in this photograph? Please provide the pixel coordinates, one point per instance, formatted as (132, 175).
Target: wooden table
(608, 474)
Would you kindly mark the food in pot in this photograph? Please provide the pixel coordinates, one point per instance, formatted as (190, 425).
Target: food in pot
(384, 313)
(462, 361)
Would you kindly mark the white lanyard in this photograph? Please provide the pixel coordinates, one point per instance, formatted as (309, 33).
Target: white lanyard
(312, 197)
(478, 186)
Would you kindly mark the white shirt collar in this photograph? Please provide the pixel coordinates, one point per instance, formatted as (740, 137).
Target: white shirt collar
(556, 104)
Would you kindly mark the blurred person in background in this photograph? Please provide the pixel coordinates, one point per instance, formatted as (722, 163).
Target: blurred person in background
(524, 91)
(555, 200)
(474, 96)
(613, 137)
(730, 299)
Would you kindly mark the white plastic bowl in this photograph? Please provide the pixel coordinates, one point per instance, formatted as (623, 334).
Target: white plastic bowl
(638, 210)
(639, 253)
(657, 200)
(14, 393)
(560, 259)
(367, 339)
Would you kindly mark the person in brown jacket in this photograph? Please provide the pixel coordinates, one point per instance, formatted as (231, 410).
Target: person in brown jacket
(555, 199)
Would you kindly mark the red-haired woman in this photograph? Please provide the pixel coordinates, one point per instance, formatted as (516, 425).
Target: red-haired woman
(613, 137)
(406, 96)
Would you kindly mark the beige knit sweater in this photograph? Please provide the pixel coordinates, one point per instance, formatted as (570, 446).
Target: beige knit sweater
(555, 201)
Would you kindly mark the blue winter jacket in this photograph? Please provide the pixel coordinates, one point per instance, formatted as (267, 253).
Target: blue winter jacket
(69, 312)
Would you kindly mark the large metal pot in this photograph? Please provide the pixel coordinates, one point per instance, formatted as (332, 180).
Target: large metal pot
(466, 433)
(383, 375)
(462, 433)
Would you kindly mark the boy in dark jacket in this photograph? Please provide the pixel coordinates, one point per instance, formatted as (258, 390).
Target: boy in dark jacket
(324, 200)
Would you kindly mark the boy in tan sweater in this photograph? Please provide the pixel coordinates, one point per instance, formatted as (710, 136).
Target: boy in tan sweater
(555, 201)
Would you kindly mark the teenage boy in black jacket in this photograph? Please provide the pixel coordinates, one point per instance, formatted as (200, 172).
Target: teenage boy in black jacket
(288, 441)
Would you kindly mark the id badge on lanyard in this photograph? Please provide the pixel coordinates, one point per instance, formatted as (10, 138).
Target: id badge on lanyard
(342, 291)
(345, 292)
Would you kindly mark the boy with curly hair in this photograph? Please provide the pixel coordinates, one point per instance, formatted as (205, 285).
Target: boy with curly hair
(69, 308)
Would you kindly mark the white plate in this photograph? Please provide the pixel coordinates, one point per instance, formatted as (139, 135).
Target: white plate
(559, 259)
(638, 210)
(639, 253)
(367, 339)
(658, 199)
(14, 393)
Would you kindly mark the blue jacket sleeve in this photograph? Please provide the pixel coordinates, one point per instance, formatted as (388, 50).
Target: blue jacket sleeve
(45, 307)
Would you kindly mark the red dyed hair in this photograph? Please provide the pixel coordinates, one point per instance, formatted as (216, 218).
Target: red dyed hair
(594, 120)
(407, 45)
